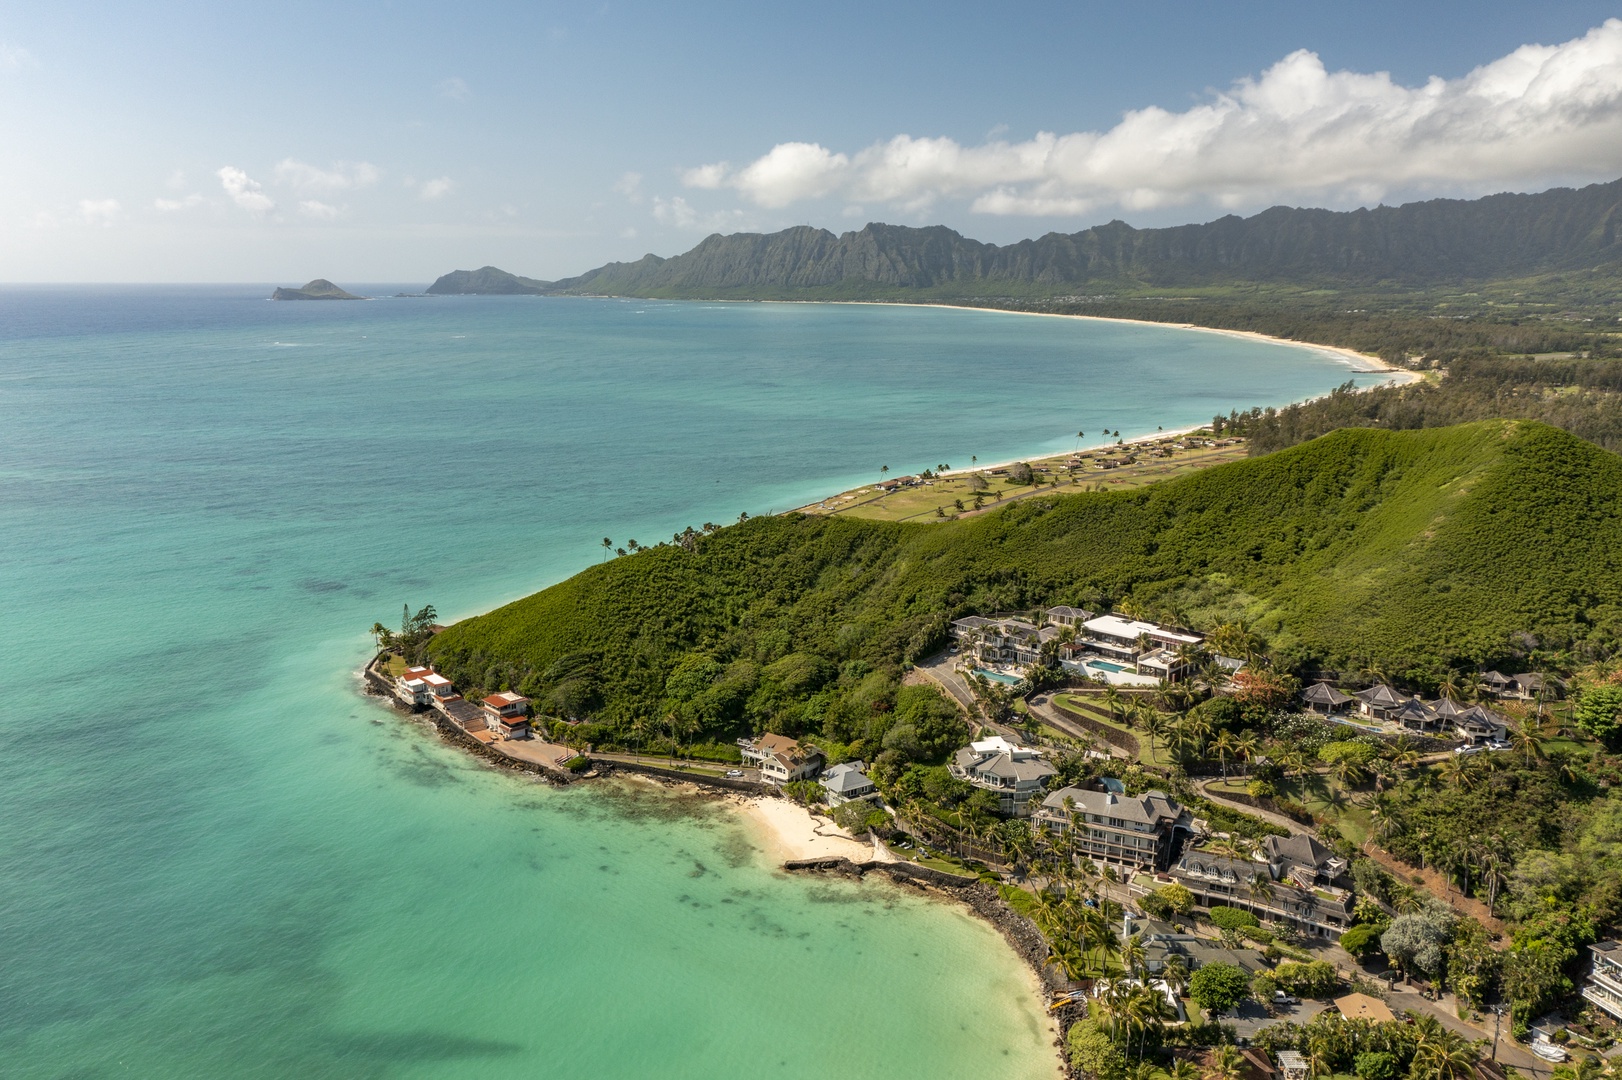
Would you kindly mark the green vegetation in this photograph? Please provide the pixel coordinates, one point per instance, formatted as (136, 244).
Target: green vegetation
(1583, 397)
(1419, 1048)
(1219, 987)
(1231, 918)
(1425, 550)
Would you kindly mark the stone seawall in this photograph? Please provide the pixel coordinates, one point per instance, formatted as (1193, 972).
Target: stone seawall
(607, 767)
(378, 685)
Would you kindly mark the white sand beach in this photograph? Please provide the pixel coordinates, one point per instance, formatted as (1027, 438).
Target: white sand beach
(790, 831)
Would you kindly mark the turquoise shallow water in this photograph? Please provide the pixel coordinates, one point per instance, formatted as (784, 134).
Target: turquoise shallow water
(220, 860)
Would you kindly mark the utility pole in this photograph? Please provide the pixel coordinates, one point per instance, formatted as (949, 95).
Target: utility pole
(1497, 1017)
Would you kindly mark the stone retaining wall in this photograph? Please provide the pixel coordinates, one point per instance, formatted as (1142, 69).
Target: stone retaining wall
(1119, 739)
(606, 767)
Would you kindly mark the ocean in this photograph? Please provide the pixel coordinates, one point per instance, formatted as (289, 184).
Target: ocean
(220, 859)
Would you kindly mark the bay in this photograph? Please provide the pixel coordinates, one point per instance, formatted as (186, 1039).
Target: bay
(219, 859)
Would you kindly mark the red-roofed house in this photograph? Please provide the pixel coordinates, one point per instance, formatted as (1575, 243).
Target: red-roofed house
(505, 714)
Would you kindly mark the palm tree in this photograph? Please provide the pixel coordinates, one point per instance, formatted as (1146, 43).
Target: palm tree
(1524, 737)
(1133, 955)
(381, 634)
(1446, 1056)
(1174, 973)
(1154, 723)
(1451, 686)
(1224, 744)
(608, 545)
(1455, 771)
(1112, 702)
(1227, 1063)
(1183, 1069)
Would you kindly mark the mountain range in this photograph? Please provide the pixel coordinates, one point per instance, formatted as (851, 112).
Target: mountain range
(1440, 241)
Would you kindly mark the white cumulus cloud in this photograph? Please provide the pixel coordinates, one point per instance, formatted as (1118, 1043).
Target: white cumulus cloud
(437, 188)
(1542, 113)
(245, 191)
(320, 211)
(98, 211)
(454, 88)
(312, 180)
(16, 58)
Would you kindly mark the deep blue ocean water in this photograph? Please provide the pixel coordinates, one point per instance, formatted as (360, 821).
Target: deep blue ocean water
(220, 860)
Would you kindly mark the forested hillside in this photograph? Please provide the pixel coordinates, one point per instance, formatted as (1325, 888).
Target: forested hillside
(1422, 551)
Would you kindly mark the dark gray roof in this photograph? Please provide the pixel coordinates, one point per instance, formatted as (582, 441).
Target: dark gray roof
(843, 779)
(1447, 708)
(1152, 807)
(1495, 678)
(1414, 709)
(1322, 693)
(1070, 612)
(1380, 695)
(1299, 848)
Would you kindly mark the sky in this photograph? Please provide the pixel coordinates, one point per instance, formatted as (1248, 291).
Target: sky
(392, 142)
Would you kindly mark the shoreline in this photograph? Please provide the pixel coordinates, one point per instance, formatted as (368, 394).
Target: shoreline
(1371, 364)
(793, 838)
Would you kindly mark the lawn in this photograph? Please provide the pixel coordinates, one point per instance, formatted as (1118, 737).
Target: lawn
(942, 493)
(1324, 797)
(1092, 707)
(396, 665)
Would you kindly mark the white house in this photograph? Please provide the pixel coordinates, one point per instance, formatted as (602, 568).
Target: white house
(781, 759)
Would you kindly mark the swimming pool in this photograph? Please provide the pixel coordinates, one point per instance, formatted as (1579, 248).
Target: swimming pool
(996, 677)
(1106, 665)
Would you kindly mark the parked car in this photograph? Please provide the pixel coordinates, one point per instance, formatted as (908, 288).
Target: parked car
(734, 772)
(1468, 749)
(1281, 998)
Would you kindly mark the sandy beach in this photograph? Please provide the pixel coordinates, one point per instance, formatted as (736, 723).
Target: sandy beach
(790, 831)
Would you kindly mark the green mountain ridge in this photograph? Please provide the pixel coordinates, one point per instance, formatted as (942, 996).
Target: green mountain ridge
(1440, 241)
(1417, 550)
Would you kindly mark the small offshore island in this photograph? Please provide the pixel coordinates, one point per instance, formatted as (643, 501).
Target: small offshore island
(1213, 753)
(319, 289)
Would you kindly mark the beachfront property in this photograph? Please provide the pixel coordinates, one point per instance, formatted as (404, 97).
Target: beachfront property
(848, 783)
(781, 759)
(1139, 831)
(504, 714)
(411, 687)
(1603, 986)
(1291, 880)
(1014, 772)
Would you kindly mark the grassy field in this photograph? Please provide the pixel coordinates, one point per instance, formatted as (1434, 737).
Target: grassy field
(942, 494)
(396, 665)
(1324, 797)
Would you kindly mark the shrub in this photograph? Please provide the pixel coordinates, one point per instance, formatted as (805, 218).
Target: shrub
(1376, 1065)
(1315, 978)
(578, 763)
(1232, 918)
(1362, 941)
(1093, 1053)
(1262, 789)
(1218, 987)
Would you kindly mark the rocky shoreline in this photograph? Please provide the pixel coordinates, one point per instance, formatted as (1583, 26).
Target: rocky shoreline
(1019, 932)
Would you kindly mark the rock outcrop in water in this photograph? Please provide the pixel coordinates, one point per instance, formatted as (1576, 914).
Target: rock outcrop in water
(319, 289)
